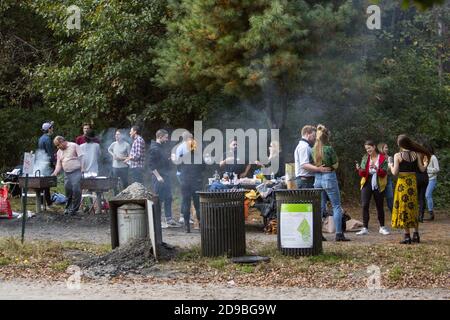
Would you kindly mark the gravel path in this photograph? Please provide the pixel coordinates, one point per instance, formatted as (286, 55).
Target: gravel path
(17, 289)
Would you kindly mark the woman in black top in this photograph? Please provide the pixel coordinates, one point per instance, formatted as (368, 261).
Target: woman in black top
(406, 164)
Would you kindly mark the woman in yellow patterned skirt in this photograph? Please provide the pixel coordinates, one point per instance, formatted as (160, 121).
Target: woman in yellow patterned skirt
(407, 163)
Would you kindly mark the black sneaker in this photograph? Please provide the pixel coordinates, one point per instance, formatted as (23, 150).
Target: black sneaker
(341, 237)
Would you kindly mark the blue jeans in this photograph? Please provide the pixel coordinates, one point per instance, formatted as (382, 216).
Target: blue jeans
(328, 181)
(429, 193)
(164, 192)
(389, 193)
(136, 175)
(305, 184)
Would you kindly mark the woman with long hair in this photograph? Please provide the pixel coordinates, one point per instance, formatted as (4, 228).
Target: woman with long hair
(373, 173)
(190, 177)
(432, 170)
(407, 163)
(324, 155)
(389, 190)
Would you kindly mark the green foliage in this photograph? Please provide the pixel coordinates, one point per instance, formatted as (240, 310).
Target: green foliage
(103, 71)
(249, 49)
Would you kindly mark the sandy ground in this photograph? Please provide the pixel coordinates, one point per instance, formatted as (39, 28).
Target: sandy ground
(96, 229)
(15, 290)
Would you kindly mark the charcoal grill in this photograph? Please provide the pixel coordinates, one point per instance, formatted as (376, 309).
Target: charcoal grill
(98, 184)
(37, 184)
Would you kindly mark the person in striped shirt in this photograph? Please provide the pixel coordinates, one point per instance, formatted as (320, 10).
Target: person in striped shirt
(136, 159)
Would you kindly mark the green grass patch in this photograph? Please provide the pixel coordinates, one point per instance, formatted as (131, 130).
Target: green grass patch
(61, 266)
(246, 268)
(218, 263)
(191, 254)
(395, 274)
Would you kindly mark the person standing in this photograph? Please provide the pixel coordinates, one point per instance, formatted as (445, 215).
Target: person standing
(91, 155)
(432, 170)
(389, 190)
(407, 163)
(160, 163)
(191, 178)
(373, 173)
(422, 185)
(233, 164)
(45, 144)
(82, 138)
(70, 160)
(136, 158)
(323, 154)
(304, 169)
(119, 150)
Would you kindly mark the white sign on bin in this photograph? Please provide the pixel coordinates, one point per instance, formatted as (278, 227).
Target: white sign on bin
(28, 163)
(296, 225)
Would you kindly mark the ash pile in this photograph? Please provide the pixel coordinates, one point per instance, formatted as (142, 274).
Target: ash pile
(135, 257)
(135, 191)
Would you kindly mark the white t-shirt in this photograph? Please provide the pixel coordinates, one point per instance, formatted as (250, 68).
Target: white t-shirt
(91, 155)
(302, 156)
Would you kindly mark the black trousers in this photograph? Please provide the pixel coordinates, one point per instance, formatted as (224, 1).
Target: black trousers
(422, 184)
(189, 188)
(122, 174)
(366, 196)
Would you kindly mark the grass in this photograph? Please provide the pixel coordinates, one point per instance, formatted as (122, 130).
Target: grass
(48, 253)
(339, 266)
(395, 274)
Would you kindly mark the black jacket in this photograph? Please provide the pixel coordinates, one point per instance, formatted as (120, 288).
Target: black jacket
(190, 171)
(159, 159)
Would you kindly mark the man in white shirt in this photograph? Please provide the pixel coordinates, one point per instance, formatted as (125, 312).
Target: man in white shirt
(304, 167)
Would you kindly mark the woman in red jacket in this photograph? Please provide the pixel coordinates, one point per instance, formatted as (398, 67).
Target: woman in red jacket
(373, 173)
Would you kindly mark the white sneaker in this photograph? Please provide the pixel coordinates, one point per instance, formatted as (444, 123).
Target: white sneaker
(363, 232)
(164, 225)
(384, 231)
(181, 220)
(191, 221)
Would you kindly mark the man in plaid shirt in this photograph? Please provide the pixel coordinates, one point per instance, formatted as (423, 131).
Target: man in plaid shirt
(136, 158)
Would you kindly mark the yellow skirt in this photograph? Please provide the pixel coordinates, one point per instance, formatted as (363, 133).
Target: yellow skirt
(405, 213)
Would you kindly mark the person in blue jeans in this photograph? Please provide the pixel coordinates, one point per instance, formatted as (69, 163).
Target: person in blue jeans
(432, 170)
(389, 190)
(324, 154)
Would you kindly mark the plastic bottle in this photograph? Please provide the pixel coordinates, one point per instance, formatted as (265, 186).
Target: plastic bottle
(216, 176)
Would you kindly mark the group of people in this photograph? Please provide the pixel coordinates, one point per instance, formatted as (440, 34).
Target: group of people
(415, 167)
(316, 161)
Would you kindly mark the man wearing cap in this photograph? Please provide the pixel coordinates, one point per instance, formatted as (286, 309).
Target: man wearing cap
(46, 145)
(70, 160)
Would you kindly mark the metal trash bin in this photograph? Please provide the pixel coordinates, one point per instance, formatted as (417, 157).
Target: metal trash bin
(132, 223)
(222, 225)
(299, 214)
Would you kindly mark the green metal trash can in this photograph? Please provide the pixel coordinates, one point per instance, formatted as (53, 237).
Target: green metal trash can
(299, 222)
(222, 225)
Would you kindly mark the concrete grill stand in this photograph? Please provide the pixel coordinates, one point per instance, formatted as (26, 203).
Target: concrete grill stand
(153, 213)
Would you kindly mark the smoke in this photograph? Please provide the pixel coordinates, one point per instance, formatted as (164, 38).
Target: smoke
(41, 164)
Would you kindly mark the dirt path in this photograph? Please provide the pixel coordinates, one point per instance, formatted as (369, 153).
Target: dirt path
(16, 290)
(96, 229)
